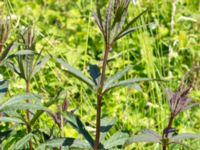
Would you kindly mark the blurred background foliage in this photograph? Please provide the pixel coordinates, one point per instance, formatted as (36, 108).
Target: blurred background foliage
(168, 50)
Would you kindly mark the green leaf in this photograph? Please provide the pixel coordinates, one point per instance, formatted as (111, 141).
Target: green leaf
(14, 68)
(128, 82)
(145, 137)
(21, 143)
(133, 20)
(184, 136)
(76, 123)
(4, 134)
(9, 119)
(116, 76)
(182, 144)
(75, 72)
(39, 65)
(190, 106)
(24, 52)
(5, 53)
(65, 142)
(117, 139)
(18, 98)
(94, 73)
(106, 125)
(24, 106)
(131, 30)
(3, 88)
(48, 104)
(151, 132)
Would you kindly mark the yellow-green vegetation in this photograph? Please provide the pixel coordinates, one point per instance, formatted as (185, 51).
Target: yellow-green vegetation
(43, 37)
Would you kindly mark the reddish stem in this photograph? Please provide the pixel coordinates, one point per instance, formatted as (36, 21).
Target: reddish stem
(100, 96)
(28, 115)
(166, 132)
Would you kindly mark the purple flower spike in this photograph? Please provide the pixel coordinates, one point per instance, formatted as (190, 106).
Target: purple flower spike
(178, 100)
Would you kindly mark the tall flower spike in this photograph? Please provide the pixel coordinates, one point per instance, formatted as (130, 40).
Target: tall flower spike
(4, 31)
(178, 100)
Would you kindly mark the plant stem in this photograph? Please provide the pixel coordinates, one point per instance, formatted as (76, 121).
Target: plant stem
(28, 115)
(166, 132)
(61, 127)
(100, 96)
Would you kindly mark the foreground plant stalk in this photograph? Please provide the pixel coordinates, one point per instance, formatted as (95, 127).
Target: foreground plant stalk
(28, 116)
(100, 96)
(166, 132)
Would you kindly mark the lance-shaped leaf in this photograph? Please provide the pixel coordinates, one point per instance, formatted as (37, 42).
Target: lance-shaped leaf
(146, 136)
(151, 132)
(120, 22)
(122, 34)
(182, 144)
(14, 68)
(116, 76)
(5, 53)
(190, 106)
(23, 106)
(3, 88)
(117, 139)
(65, 142)
(75, 72)
(39, 64)
(22, 142)
(76, 123)
(127, 82)
(24, 52)
(106, 125)
(18, 98)
(108, 21)
(10, 119)
(184, 136)
(133, 21)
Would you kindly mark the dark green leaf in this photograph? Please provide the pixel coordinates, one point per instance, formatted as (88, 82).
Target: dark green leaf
(106, 125)
(94, 73)
(5, 53)
(3, 88)
(76, 123)
(76, 73)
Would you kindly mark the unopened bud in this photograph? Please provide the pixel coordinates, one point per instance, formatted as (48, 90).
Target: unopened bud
(4, 31)
(29, 38)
